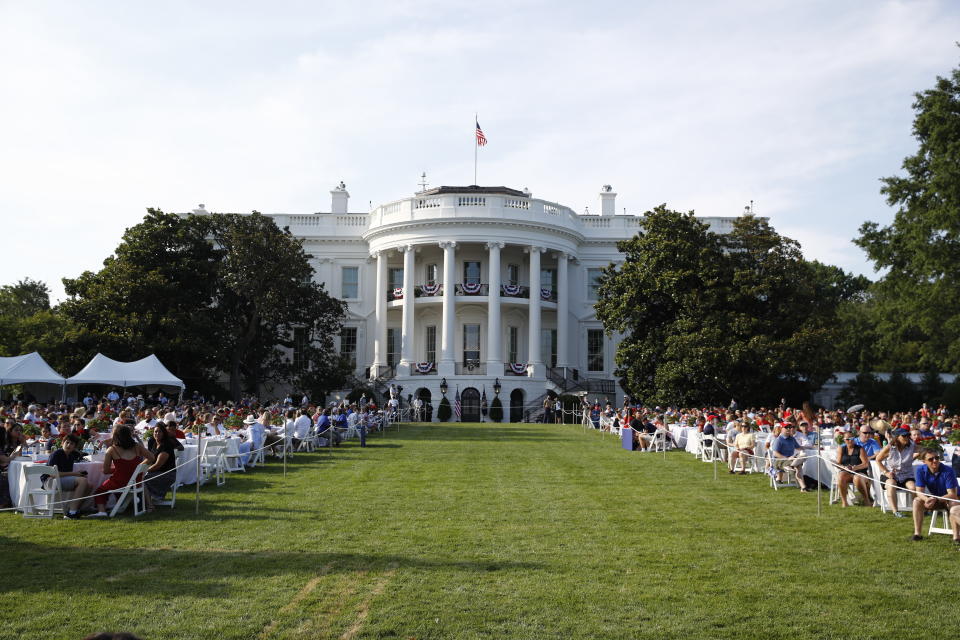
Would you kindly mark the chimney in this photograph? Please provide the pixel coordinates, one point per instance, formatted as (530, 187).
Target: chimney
(608, 201)
(339, 198)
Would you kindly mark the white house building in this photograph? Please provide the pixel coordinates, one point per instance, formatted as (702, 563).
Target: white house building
(475, 289)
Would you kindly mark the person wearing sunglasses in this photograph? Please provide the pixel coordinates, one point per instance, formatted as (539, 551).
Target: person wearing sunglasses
(936, 489)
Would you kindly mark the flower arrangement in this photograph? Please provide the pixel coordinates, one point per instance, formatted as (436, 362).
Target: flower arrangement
(234, 422)
(930, 445)
(954, 437)
(99, 424)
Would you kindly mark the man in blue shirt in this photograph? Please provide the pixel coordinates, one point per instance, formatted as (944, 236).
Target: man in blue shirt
(936, 489)
(786, 455)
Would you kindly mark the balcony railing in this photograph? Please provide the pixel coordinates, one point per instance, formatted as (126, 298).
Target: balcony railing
(471, 289)
(395, 294)
(471, 367)
(428, 290)
(548, 295)
(424, 368)
(514, 291)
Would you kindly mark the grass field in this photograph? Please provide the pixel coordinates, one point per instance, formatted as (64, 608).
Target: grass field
(482, 531)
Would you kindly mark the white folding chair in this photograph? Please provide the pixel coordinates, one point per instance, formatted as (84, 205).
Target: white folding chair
(944, 515)
(214, 462)
(904, 498)
(40, 497)
(707, 450)
(133, 490)
(835, 486)
(233, 457)
(778, 466)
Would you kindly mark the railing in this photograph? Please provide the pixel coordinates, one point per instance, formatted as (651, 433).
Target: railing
(428, 290)
(601, 223)
(514, 291)
(351, 221)
(383, 372)
(471, 289)
(516, 204)
(471, 367)
(548, 295)
(514, 369)
(471, 201)
(601, 386)
(427, 203)
(393, 207)
(567, 378)
(424, 368)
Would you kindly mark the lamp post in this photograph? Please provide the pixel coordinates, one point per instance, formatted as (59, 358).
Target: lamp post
(496, 387)
(443, 387)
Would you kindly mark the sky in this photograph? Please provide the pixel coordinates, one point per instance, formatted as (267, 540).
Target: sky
(110, 107)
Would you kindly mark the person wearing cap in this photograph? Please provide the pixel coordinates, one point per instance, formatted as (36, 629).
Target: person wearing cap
(785, 449)
(896, 462)
(936, 489)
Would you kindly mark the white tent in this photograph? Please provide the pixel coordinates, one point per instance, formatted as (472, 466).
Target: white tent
(104, 370)
(27, 368)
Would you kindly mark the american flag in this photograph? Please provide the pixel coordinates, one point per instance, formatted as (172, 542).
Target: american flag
(481, 139)
(456, 403)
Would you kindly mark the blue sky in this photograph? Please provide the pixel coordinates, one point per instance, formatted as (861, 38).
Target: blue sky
(110, 107)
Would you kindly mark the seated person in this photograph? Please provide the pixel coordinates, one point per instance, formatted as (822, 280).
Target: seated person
(786, 452)
(743, 448)
(161, 475)
(896, 462)
(73, 483)
(120, 461)
(852, 462)
(46, 439)
(935, 482)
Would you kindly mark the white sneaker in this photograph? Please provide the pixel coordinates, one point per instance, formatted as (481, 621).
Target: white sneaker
(162, 503)
(99, 514)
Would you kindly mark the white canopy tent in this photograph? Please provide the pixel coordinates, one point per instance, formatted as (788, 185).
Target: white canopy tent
(26, 369)
(148, 371)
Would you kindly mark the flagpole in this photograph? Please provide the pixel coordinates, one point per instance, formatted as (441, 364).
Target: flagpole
(476, 144)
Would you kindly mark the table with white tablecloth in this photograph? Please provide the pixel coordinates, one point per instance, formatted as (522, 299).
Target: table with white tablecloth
(17, 479)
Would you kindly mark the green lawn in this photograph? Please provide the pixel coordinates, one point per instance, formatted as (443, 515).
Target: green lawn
(482, 531)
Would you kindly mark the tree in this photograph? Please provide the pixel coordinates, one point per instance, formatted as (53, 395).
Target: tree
(444, 412)
(267, 295)
(155, 294)
(708, 317)
(23, 299)
(496, 409)
(918, 297)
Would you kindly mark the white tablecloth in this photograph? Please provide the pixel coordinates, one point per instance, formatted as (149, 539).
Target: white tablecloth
(17, 480)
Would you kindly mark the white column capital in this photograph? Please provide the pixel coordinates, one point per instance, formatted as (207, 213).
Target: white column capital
(496, 245)
(409, 247)
(447, 244)
(534, 249)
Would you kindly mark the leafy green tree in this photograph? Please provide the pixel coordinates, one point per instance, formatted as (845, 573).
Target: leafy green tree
(708, 317)
(918, 296)
(23, 299)
(444, 411)
(496, 409)
(155, 294)
(266, 295)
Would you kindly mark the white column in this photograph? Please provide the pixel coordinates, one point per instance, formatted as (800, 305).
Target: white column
(535, 366)
(563, 311)
(406, 338)
(494, 350)
(446, 366)
(380, 313)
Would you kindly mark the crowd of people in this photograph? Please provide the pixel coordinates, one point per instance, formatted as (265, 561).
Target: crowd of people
(132, 429)
(908, 447)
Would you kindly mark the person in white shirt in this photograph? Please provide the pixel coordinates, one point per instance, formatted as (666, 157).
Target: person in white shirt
(301, 427)
(113, 396)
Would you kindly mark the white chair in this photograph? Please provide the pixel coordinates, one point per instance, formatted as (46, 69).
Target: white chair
(233, 457)
(835, 486)
(214, 462)
(707, 448)
(904, 498)
(659, 442)
(309, 441)
(944, 515)
(778, 466)
(257, 454)
(133, 490)
(40, 497)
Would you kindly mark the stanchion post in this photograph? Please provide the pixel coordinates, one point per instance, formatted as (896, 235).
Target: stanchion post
(284, 450)
(819, 462)
(196, 503)
(714, 463)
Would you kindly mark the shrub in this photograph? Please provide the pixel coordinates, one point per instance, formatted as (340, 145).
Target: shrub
(444, 411)
(496, 410)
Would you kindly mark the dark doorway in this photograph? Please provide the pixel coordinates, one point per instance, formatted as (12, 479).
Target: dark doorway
(470, 405)
(424, 412)
(516, 405)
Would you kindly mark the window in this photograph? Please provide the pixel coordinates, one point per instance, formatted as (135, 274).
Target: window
(513, 344)
(433, 276)
(432, 343)
(393, 346)
(350, 282)
(471, 272)
(471, 343)
(348, 345)
(300, 343)
(513, 274)
(548, 280)
(548, 346)
(395, 277)
(593, 284)
(595, 350)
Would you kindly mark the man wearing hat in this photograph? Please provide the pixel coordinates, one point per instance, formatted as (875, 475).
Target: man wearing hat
(936, 489)
(896, 463)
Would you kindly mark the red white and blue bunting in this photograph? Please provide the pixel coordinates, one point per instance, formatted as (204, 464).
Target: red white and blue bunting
(518, 368)
(430, 289)
(511, 290)
(471, 288)
(424, 367)
(398, 293)
(546, 294)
